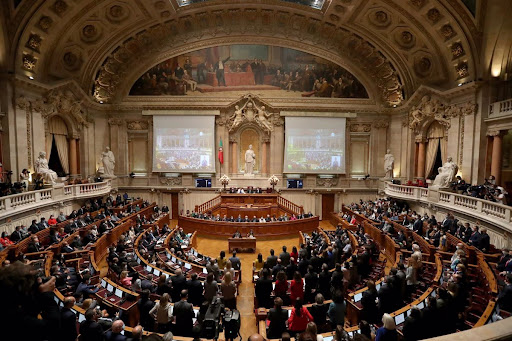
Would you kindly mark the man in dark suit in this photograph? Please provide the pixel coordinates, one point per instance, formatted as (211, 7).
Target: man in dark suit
(503, 259)
(386, 297)
(271, 260)
(145, 305)
(66, 248)
(115, 333)
(195, 290)
(179, 283)
(291, 268)
(90, 329)
(278, 267)
(16, 235)
(68, 321)
(475, 237)
(34, 227)
(235, 261)
(263, 289)
(34, 245)
(285, 257)
(505, 296)
(277, 318)
(485, 242)
(447, 222)
(219, 68)
(418, 226)
(239, 219)
(183, 313)
(86, 288)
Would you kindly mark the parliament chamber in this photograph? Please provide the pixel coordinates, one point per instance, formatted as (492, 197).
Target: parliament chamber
(264, 170)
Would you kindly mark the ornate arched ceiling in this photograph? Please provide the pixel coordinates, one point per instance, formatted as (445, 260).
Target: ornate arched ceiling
(392, 46)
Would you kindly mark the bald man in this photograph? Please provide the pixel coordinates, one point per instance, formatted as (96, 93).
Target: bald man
(68, 320)
(115, 333)
(256, 337)
(136, 333)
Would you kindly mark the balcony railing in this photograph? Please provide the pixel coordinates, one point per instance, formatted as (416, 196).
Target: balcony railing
(483, 209)
(17, 203)
(500, 109)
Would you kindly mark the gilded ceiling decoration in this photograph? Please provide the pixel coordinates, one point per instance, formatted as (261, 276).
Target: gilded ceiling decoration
(104, 45)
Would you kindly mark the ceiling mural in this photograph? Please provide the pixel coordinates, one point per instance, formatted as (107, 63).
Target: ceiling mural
(269, 70)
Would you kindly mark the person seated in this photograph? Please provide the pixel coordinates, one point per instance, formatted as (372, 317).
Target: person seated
(5, 240)
(52, 221)
(116, 332)
(250, 234)
(237, 234)
(125, 280)
(34, 245)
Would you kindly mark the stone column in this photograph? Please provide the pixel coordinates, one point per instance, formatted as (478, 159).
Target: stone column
(264, 153)
(497, 154)
(73, 169)
(115, 142)
(421, 157)
(234, 161)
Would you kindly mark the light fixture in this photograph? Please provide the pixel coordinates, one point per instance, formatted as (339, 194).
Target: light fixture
(101, 102)
(30, 77)
(460, 84)
(394, 105)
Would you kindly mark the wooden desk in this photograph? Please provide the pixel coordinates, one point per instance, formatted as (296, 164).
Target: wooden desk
(242, 244)
(260, 229)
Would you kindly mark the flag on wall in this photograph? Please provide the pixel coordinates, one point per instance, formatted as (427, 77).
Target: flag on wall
(221, 153)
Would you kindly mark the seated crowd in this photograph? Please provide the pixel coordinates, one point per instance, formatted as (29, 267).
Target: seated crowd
(247, 219)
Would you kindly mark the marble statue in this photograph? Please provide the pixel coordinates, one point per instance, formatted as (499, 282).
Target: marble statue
(263, 119)
(389, 164)
(250, 160)
(109, 162)
(41, 166)
(238, 117)
(446, 174)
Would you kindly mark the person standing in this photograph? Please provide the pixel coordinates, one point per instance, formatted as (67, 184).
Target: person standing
(219, 71)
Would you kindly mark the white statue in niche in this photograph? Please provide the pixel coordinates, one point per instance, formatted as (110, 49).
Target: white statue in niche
(389, 164)
(109, 162)
(446, 174)
(250, 160)
(42, 168)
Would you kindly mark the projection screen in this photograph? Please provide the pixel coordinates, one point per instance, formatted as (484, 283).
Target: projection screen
(183, 144)
(315, 145)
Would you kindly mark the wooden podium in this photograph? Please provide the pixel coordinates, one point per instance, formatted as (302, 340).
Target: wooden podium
(241, 244)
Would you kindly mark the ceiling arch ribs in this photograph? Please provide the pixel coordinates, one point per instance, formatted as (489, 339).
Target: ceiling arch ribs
(261, 22)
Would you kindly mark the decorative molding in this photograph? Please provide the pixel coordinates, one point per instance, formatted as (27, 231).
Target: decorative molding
(494, 132)
(114, 121)
(380, 124)
(28, 114)
(247, 110)
(137, 125)
(360, 127)
(326, 182)
(175, 181)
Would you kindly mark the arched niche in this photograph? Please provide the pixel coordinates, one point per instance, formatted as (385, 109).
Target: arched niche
(249, 135)
(57, 135)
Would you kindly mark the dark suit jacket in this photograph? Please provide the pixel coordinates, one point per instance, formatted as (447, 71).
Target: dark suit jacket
(263, 289)
(505, 298)
(235, 263)
(285, 258)
(178, 283)
(271, 261)
(67, 325)
(195, 292)
(90, 331)
(146, 320)
(184, 313)
(277, 323)
(16, 236)
(110, 336)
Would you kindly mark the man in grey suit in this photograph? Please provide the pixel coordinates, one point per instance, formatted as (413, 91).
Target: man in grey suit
(285, 257)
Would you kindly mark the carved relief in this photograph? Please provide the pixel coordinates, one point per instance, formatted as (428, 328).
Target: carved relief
(447, 31)
(59, 7)
(433, 15)
(339, 9)
(423, 66)
(428, 109)
(405, 39)
(90, 33)
(329, 182)
(45, 23)
(113, 121)
(117, 13)
(34, 42)
(29, 62)
(72, 60)
(380, 19)
(138, 125)
(380, 124)
(462, 70)
(465, 109)
(65, 104)
(418, 3)
(457, 50)
(175, 181)
(360, 127)
(249, 111)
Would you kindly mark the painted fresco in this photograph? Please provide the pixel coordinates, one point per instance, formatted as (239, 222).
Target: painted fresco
(269, 70)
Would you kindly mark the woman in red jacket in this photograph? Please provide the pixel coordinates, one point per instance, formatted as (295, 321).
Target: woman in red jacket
(297, 287)
(281, 288)
(52, 221)
(294, 254)
(299, 318)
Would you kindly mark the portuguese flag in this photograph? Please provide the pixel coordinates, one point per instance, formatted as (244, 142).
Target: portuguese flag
(221, 153)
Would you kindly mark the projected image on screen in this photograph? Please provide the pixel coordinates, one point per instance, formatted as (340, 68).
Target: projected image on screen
(183, 144)
(315, 145)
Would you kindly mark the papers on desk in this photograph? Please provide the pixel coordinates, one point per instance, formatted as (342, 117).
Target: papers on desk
(358, 297)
